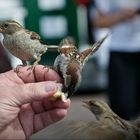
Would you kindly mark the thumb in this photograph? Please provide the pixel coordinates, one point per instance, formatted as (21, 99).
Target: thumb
(30, 92)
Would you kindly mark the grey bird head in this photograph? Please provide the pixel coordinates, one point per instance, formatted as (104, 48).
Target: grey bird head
(97, 107)
(9, 27)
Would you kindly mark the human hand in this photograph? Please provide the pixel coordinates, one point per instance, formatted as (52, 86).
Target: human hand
(25, 107)
(128, 14)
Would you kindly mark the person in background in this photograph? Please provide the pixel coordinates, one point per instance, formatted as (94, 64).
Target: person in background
(123, 19)
(5, 63)
(88, 4)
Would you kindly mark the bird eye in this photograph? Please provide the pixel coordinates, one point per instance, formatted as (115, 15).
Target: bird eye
(5, 25)
(91, 103)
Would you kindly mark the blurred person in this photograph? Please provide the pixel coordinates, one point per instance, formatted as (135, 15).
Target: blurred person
(122, 17)
(25, 107)
(88, 4)
(5, 63)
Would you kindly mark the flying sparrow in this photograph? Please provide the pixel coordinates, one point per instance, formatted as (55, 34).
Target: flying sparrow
(70, 62)
(22, 43)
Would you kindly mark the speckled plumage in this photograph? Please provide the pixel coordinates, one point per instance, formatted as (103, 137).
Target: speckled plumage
(105, 125)
(22, 43)
(70, 62)
(106, 116)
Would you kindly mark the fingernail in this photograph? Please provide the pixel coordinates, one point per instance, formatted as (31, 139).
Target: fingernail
(50, 87)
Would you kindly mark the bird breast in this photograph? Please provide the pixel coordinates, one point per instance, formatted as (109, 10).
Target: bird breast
(22, 46)
(73, 71)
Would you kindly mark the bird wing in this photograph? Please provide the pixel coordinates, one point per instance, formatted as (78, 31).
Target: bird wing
(98, 44)
(78, 130)
(34, 35)
(73, 77)
(56, 65)
(90, 51)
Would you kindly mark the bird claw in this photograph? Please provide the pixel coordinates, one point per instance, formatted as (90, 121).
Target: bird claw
(16, 70)
(48, 67)
(30, 68)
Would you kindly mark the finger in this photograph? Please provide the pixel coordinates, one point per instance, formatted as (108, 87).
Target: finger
(38, 107)
(38, 74)
(10, 78)
(27, 93)
(26, 116)
(49, 74)
(45, 105)
(56, 104)
(44, 119)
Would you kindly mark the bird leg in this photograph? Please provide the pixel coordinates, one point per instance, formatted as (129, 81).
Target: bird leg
(24, 63)
(35, 63)
(48, 67)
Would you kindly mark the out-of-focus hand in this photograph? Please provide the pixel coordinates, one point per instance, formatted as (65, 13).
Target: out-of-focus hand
(128, 14)
(25, 107)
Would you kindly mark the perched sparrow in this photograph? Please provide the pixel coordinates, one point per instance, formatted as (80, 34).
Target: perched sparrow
(106, 116)
(22, 43)
(70, 62)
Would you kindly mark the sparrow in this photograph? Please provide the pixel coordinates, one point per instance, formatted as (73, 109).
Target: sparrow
(106, 125)
(84, 130)
(22, 43)
(106, 116)
(69, 63)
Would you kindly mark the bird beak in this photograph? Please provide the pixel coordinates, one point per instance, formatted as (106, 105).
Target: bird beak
(1, 30)
(86, 104)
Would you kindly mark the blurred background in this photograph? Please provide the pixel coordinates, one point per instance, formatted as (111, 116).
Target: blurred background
(55, 19)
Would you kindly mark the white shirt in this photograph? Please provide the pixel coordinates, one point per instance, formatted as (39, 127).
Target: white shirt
(126, 34)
